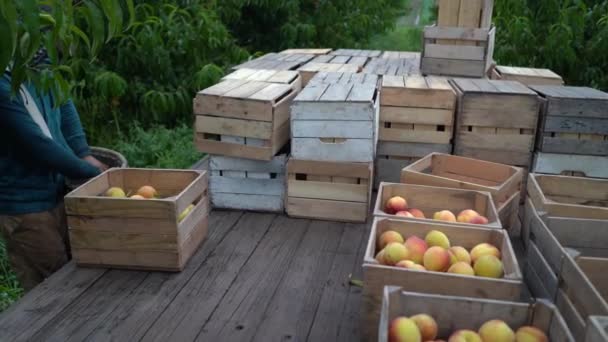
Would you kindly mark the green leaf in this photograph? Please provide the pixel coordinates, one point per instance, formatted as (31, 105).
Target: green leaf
(8, 33)
(29, 12)
(113, 12)
(77, 31)
(131, 10)
(94, 19)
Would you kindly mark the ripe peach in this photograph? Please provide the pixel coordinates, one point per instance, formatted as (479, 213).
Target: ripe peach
(403, 329)
(465, 335)
(388, 237)
(395, 204)
(496, 331)
(404, 213)
(488, 266)
(461, 267)
(436, 259)
(466, 215)
(459, 253)
(417, 248)
(395, 252)
(411, 265)
(427, 325)
(139, 197)
(479, 220)
(444, 215)
(530, 334)
(484, 249)
(437, 238)
(380, 257)
(115, 192)
(147, 191)
(417, 213)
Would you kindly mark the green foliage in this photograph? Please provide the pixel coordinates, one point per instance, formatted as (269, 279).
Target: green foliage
(10, 290)
(568, 36)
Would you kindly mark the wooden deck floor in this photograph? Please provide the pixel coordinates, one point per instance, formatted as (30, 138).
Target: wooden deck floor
(258, 277)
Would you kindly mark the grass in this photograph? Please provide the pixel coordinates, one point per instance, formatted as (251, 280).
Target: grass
(10, 291)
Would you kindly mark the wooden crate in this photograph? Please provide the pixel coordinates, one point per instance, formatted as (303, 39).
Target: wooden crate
(527, 76)
(345, 78)
(430, 199)
(502, 181)
(356, 53)
(457, 51)
(307, 51)
(277, 61)
(245, 119)
(394, 66)
(496, 121)
(335, 59)
(400, 55)
(570, 165)
(376, 276)
(465, 13)
(583, 292)
(574, 120)
(309, 70)
(597, 329)
(336, 122)
(329, 190)
(453, 313)
(289, 77)
(245, 184)
(138, 234)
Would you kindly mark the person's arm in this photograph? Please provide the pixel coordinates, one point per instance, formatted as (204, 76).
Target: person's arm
(17, 123)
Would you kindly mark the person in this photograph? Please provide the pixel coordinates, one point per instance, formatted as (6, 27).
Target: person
(41, 142)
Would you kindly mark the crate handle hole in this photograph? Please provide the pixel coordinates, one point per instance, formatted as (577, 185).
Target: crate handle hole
(301, 176)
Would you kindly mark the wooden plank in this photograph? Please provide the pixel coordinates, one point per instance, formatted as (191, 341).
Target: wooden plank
(576, 125)
(590, 166)
(398, 149)
(542, 269)
(271, 203)
(242, 128)
(328, 191)
(424, 136)
(327, 111)
(350, 150)
(470, 13)
(457, 52)
(353, 170)
(519, 158)
(573, 146)
(332, 129)
(458, 33)
(389, 170)
(506, 142)
(234, 150)
(452, 67)
(327, 210)
(222, 163)
(247, 186)
(425, 116)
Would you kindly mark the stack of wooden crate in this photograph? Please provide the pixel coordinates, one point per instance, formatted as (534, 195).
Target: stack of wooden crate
(394, 63)
(416, 118)
(334, 134)
(462, 43)
(573, 131)
(243, 122)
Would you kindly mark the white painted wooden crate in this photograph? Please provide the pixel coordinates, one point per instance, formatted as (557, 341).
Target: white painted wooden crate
(336, 121)
(246, 184)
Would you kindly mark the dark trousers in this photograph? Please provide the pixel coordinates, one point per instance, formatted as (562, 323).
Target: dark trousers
(37, 244)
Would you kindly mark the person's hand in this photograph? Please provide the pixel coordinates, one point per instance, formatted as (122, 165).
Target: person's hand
(93, 161)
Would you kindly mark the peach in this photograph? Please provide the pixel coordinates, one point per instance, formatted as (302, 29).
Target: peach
(465, 335)
(530, 334)
(395, 204)
(427, 325)
(496, 331)
(466, 215)
(410, 265)
(479, 220)
(115, 192)
(139, 197)
(395, 252)
(404, 213)
(484, 249)
(437, 238)
(417, 213)
(403, 329)
(461, 267)
(444, 215)
(380, 257)
(388, 237)
(459, 253)
(488, 266)
(147, 191)
(417, 247)
(436, 259)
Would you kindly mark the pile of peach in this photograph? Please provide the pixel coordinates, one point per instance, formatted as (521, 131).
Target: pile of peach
(435, 253)
(422, 327)
(397, 205)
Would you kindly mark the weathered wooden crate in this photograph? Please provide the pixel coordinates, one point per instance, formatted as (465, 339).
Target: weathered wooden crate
(307, 51)
(597, 329)
(344, 78)
(527, 76)
(457, 51)
(289, 77)
(465, 13)
(329, 190)
(245, 184)
(336, 122)
(400, 55)
(309, 70)
(277, 61)
(583, 292)
(453, 313)
(416, 118)
(138, 234)
(376, 276)
(430, 199)
(577, 165)
(496, 121)
(245, 119)
(360, 61)
(502, 181)
(356, 53)
(574, 120)
(394, 66)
